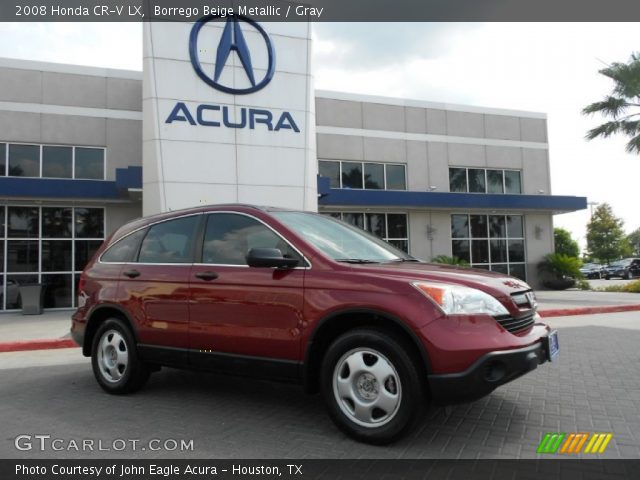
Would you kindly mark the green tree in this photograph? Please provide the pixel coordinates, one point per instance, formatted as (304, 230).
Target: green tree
(564, 244)
(622, 105)
(606, 239)
(634, 242)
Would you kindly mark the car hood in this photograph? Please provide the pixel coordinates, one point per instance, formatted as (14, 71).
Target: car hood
(496, 284)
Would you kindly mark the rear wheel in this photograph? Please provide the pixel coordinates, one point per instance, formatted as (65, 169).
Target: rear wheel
(629, 275)
(115, 360)
(372, 387)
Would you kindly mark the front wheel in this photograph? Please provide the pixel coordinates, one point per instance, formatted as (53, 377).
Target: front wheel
(629, 275)
(114, 358)
(372, 387)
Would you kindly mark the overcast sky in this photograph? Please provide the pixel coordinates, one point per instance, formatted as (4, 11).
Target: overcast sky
(549, 68)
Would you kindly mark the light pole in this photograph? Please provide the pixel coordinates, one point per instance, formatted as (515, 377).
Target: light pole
(591, 205)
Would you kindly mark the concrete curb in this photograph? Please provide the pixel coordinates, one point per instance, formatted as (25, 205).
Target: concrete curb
(566, 312)
(41, 344)
(55, 343)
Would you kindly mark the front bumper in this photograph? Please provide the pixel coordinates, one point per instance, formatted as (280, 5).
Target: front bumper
(486, 374)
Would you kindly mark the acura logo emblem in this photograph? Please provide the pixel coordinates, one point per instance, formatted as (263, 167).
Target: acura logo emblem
(232, 40)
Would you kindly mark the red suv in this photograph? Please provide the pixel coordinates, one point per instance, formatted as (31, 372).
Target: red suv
(303, 297)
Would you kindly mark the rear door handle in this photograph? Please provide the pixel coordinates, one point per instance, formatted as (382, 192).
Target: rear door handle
(131, 273)
(207, 275)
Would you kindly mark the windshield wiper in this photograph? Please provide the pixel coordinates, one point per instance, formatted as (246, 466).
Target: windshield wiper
(402, 260)
(356, 260)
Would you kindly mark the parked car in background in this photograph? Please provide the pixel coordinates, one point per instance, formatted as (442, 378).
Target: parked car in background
(627, 268)
(593, 271)
(303, 297)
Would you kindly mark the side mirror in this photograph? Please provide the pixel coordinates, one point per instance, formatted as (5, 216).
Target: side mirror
(269, 258)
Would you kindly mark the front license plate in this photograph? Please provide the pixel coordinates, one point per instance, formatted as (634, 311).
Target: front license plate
(553, 347)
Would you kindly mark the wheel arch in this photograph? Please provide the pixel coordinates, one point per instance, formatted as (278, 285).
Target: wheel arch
(98, 315)
(337, 323)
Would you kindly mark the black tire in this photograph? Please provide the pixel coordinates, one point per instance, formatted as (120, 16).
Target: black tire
(125, 377)
(409, 388)
(629, 275)
(607, 277)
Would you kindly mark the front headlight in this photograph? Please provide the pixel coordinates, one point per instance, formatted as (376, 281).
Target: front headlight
(456, 299)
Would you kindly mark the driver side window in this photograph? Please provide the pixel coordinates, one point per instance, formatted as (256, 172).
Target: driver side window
(229, 237)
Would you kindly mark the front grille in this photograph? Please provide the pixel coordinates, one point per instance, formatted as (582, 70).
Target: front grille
(516, 325)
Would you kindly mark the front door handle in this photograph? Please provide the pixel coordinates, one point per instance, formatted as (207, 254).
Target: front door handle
(131, 273)
(207, 275)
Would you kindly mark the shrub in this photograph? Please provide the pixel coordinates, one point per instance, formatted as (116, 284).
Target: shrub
(582, 284)
(633, 287)
(560, 271)
(445, 259)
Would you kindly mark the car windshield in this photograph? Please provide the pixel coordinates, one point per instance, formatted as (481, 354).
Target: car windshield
(339, 240)
(621, 263)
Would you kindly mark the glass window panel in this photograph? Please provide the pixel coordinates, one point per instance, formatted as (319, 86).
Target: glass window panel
(330, 170)
(85, 249)
(57, 290)
(56, 255)
(476, 180)
(3, 160)
(90, 163)
(494, 181)
(400, 244)
(56, 162)
(24, 160)
(374, 176)
(23, 222)
(124, 250)
(478, 226)
(89, 222)
(460, 226)
(502, 268)
(396, 177)
(377, 224)
(170, 241)
(497, 226)
(56, 222)
(457, 179)
(397, 224)
(498, 251)
(229, 238)
(13, 289)
(479, 251)
(460, 249)
(356, 219)
(516, 250)
(22, 256)
(337, 215)
(351, 175)
(518, 271)
(512, 182)
(482, 267)
(514, 226)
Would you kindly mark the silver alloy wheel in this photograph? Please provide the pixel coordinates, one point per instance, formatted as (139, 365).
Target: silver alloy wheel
(113, 356)
(367, 387)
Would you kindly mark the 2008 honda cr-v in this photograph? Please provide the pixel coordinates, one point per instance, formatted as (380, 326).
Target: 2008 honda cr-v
(303, 297)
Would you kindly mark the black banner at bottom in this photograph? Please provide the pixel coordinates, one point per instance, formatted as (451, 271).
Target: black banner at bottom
(318, 469)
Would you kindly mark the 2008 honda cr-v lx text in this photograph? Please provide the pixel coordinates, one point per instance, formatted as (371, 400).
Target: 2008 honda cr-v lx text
(303, 297)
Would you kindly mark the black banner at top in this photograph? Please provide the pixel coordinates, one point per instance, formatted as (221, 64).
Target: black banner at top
(322, 10)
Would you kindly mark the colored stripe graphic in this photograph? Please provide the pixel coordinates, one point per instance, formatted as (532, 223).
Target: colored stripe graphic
(572, 443)
(551, 442)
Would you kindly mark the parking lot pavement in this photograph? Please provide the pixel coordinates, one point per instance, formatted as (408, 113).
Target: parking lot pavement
(567, 299)
(593, 387)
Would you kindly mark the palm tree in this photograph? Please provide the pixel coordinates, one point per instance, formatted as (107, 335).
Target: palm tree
(622, 105)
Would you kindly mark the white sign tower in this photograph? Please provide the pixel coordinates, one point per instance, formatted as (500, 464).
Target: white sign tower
(228, 114)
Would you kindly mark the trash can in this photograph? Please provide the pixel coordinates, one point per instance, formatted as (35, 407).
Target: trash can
(32, 296)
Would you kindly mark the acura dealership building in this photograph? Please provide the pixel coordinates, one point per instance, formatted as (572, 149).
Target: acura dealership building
(225, 111)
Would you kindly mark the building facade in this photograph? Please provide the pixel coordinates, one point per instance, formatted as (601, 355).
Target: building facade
(432, 179)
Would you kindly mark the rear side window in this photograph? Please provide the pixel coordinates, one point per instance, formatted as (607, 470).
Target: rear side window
(229, 237)
(170, 242)
(124, 250)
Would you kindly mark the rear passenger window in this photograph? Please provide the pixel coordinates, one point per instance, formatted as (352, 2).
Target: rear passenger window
(124, 250)
(229, 237)
(170, 242)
